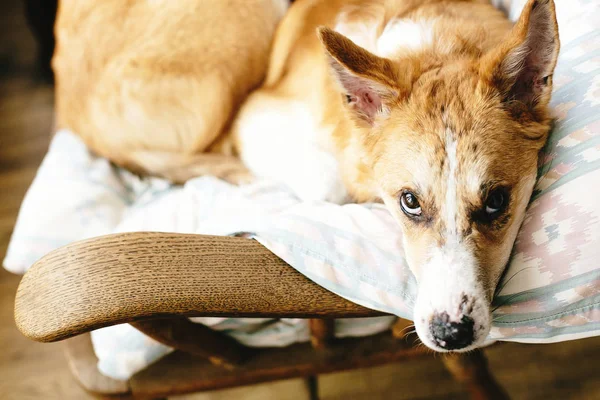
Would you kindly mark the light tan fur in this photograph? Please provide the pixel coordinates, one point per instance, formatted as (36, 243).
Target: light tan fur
(151, 84)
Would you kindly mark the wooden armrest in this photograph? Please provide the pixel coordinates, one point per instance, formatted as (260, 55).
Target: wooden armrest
(130, 277)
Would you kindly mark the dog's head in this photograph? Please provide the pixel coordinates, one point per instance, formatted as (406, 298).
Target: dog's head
(451, 144)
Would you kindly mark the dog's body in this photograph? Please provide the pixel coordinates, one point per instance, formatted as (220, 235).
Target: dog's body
(436, 107)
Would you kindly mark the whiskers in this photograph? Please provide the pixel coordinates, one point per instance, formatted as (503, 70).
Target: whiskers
(506, 301)
(506, 282)
(407, 330)
(510, 297)
(418, 344)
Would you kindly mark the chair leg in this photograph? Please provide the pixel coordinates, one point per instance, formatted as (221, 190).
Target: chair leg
(312, 382)
(322, 332)
(471, 369)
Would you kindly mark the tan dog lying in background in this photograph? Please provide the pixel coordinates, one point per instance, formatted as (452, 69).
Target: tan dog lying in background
(436, 107)
(150, 83)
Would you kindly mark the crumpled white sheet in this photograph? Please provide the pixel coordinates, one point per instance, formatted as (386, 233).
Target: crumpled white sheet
(77, 195)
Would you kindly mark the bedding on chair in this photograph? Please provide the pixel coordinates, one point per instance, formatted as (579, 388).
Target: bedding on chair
(550, 292)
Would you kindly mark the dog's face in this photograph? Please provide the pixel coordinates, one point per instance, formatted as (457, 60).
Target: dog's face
(452, 150)
(457, 171)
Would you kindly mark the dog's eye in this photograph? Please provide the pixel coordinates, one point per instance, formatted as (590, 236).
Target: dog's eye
(410, 205)
(496, 201)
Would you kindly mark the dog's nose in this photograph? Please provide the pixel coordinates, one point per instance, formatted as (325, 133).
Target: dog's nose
(451, 335)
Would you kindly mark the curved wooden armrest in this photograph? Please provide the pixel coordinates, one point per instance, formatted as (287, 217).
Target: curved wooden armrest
(135, 276)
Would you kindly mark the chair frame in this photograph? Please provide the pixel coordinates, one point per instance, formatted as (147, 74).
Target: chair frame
(154, 281)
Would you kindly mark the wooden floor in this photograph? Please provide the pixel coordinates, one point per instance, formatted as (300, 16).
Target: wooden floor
(30, 370)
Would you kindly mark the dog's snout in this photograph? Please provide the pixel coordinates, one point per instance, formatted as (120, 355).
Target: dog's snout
(451, 335)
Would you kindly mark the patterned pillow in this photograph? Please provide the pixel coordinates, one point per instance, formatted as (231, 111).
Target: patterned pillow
(556, 287)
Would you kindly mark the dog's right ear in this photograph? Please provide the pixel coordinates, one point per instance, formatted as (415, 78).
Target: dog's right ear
(368, 81)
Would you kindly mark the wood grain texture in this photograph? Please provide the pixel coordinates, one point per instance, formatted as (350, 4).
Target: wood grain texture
(135, 276)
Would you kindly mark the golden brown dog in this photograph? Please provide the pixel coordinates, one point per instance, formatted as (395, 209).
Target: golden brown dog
(150, 83)
(438, 108)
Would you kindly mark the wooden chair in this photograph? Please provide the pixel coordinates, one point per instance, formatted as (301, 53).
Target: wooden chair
(154, 280)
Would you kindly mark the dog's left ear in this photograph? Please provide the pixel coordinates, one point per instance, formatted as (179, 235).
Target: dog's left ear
(522, 67)
(367, 80)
